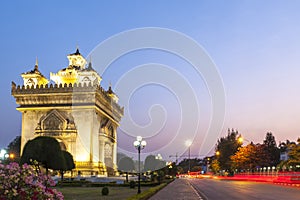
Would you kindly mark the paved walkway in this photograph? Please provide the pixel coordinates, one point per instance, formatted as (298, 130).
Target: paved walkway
(180, 189)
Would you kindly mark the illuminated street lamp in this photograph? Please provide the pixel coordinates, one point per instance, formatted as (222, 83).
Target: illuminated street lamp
(11, 156)
(3, 154)
(188, 143)
(139, 144)
(217, 153)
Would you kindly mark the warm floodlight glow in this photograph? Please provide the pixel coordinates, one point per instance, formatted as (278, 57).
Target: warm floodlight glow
(240, 140)
(217, 153)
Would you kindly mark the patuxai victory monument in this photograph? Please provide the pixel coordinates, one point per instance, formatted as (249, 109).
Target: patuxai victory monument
(73, 108)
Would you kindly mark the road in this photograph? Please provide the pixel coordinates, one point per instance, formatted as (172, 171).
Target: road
(211, 189)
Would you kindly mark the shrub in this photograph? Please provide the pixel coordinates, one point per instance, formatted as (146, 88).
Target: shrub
(132, 184)
(25, 183)
(147, 193)
(105, 191)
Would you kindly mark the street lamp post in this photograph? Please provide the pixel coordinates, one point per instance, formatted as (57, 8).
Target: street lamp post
(189, 158)
(188, 143)
(139, 144)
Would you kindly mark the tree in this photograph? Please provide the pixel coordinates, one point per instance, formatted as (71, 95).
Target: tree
(263, 156)
(126, 164)
(194, 164)
(120, 156)
(152, 164)
(271, 149)
(283, 146)
(43, 151)
(215, 166)
(14, 148)
(294, 155)
(245, 158)
(69, 163)
(179, 169)
(31, 154)
(227, 146)
(196, 168)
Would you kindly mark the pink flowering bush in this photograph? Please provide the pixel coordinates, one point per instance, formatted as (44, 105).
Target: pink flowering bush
(24, 183)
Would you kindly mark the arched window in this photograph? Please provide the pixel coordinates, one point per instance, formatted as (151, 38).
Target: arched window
(30, 82)
(86, 80)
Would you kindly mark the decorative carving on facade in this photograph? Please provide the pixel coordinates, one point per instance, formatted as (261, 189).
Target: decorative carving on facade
(107, 151)
(56, 123)
(52, 122)
(86, 80)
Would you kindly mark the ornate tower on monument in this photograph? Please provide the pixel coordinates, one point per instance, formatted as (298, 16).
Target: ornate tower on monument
(74, 109)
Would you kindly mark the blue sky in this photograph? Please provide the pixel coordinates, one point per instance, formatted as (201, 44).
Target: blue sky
(254, 44)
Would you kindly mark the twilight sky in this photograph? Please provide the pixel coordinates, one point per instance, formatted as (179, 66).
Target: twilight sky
(255, 46)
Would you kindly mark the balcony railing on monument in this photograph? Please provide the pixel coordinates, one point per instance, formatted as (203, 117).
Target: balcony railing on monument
(82, 164)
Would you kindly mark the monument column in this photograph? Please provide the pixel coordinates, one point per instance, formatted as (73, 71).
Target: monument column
(114, 154)
(101, 150)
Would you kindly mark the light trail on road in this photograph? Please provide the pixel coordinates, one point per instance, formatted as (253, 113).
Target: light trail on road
(211, 189)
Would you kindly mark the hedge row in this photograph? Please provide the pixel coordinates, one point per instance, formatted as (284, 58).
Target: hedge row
(100, 184)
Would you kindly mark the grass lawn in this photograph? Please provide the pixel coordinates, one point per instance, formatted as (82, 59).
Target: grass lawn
(91, 193)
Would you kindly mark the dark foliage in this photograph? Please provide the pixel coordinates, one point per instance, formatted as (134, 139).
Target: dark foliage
(45, 151)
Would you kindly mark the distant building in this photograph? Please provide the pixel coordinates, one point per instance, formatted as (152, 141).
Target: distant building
(284, 155)
(73, 108)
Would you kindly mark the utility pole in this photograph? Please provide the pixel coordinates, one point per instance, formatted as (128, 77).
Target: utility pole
(176, 156)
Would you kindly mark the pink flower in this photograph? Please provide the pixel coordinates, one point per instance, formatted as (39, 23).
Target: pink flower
(24, 183)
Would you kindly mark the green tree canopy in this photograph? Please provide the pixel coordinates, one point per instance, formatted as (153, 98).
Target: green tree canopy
(227, 146)
(195, 164)
(215, 166)
(69, 163)
(294, 156)
(271, 149)
(246, 158)
(120, 156)
(15, 146)
(126, 164)
(253, 156)
(46, 151)
(14, 149)
(152, 164)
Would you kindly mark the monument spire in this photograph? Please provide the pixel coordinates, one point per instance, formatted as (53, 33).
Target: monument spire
(90, 63)
(36, 66)
(77, 50)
